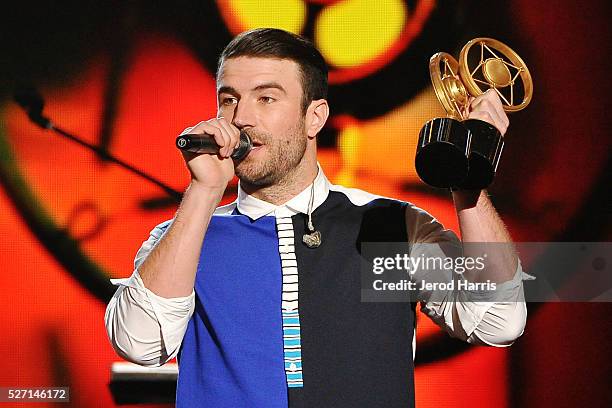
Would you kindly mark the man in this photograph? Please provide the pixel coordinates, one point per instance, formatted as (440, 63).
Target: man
(267, 312)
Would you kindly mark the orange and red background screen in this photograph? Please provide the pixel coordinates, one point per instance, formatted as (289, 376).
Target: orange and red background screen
(129, 77)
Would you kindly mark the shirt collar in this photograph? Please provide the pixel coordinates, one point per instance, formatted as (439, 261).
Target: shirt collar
(255, 208)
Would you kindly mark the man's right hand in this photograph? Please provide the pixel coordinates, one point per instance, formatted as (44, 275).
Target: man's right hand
(213, 171)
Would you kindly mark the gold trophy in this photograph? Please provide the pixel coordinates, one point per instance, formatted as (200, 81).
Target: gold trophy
(453, 152)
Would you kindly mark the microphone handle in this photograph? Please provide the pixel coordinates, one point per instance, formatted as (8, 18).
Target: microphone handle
(204, 143)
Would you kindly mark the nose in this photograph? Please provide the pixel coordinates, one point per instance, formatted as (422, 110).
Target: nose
(244, 115)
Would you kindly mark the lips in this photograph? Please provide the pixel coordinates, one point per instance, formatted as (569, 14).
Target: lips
(256, 144)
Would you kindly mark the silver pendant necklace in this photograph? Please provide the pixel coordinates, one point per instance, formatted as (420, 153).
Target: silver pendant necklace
(313, 238)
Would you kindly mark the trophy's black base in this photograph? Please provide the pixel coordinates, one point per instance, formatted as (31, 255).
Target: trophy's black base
(441, 158)
(459, 155)
(486, 146)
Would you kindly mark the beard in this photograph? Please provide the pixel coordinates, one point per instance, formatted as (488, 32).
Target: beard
(282, 155)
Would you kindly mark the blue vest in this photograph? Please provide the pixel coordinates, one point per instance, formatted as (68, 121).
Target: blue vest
(232, 352)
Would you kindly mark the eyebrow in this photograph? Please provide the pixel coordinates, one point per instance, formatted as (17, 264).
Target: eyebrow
(266, 85)
(227, 89)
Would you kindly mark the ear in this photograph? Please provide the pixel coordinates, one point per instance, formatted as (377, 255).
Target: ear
(316, 116)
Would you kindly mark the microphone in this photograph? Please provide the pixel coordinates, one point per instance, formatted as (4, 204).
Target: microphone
(205, 143)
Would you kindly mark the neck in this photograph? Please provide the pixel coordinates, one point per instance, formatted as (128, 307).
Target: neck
(289, 186)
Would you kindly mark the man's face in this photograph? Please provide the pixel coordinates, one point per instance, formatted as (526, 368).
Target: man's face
(263, 96)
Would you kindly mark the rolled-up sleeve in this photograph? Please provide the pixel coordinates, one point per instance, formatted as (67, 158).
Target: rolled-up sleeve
(143, 327)
(476, 316)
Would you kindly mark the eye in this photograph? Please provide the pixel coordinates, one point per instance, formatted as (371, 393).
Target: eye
(228, 101)
(266, 99)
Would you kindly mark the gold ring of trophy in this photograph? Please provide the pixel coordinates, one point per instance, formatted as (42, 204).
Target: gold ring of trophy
(498, 66)
(463, 153)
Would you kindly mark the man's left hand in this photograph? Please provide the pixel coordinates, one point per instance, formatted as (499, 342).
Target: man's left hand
(488, 107)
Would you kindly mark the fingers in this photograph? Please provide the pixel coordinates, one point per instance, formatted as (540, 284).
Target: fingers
(465, 111)
(232, 131)
(488, 107)
(225, 135)
(187, 130)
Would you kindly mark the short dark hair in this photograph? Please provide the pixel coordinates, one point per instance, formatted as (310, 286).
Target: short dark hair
(275, 43)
